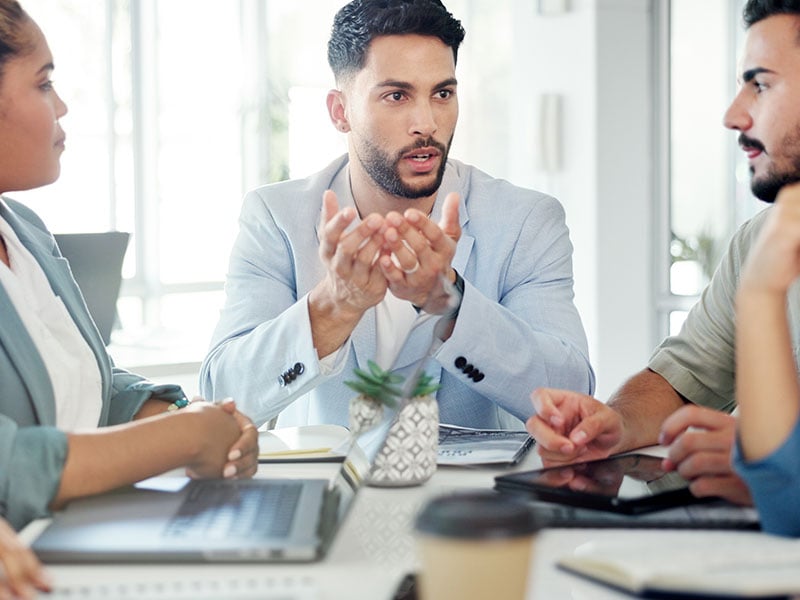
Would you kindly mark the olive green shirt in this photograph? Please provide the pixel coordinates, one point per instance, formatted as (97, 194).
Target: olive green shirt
(699, 362)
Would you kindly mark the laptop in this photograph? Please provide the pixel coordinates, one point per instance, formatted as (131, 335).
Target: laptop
(96, 263)
(212, 520)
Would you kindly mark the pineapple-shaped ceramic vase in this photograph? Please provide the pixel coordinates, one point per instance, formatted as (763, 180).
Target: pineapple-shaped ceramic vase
(409, 455)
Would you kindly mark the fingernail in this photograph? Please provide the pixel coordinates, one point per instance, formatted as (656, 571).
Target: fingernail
(556, 421)
(566, 449)
(579, 437)
(229, 471)
(45, 580)
(235, 454)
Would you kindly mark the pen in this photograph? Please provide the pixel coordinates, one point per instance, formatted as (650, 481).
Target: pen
(290, 452)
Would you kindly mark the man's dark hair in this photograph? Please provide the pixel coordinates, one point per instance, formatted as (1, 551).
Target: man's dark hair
(360, 21)
(758, 10)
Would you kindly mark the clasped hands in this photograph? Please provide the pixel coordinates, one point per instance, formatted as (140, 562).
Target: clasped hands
(406, 254)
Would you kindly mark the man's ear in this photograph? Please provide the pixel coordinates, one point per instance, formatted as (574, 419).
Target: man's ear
(336, 110)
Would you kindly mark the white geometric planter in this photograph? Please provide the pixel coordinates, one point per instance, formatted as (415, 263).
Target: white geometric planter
(364, 413)
(409, 455)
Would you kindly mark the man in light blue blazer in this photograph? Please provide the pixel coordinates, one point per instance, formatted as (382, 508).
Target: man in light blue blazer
(348, 265)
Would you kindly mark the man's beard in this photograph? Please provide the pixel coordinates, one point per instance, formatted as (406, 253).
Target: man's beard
(767, 187)
(385, 171)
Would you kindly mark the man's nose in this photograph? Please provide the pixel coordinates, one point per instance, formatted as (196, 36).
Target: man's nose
(423, 120)
(737, 116)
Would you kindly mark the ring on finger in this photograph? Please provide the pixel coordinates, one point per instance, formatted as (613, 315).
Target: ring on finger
(413, 269)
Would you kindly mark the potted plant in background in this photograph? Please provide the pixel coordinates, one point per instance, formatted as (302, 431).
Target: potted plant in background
(409, 455)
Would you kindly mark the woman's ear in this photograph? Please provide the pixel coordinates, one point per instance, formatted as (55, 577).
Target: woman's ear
(336, 111)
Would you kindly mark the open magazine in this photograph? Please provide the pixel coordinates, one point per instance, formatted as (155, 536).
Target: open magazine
(467, 446)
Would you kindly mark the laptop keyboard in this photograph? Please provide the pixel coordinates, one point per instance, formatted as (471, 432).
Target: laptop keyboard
(241, 509)
(261, 587)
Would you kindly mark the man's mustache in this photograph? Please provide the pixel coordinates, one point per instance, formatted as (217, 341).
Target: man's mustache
(748, 142)
(426, 143)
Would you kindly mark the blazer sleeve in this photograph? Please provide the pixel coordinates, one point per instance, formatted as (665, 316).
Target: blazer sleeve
(264, 329)
(130, 391)
(31, 462)
(520, 328)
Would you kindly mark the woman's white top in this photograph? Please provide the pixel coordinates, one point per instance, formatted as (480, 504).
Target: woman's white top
(70, 362)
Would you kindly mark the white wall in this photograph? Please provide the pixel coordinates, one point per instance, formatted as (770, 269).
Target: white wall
(597, 56)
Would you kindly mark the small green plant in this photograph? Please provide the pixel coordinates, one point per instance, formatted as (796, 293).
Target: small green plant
(424, 386)
(378, 384)
(385, 387)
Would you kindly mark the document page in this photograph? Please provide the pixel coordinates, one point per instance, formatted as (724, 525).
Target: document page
(467, 446)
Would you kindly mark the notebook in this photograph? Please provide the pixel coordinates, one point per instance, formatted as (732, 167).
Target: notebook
(720, 564)
(213, 520)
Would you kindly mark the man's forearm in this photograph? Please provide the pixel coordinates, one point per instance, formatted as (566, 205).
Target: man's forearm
(330, 325)
(644, 401)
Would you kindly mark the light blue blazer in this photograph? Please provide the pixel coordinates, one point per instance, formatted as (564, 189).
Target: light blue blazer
(517, 328)
(32, 450)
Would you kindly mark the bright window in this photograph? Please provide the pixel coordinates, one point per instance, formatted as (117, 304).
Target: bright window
(708, 185)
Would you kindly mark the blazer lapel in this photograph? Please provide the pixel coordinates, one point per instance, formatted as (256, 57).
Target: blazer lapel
(41, 245)
(27, 361)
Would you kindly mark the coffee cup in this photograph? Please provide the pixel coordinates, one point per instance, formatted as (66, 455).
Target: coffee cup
(475, 545)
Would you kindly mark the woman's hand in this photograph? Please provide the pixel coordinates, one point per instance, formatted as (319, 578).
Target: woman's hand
(243, 455)
(22, 573)
(214, 432)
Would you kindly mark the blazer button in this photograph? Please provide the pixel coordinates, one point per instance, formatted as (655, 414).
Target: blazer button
(461, 362)
(298, 368)
(477, 376)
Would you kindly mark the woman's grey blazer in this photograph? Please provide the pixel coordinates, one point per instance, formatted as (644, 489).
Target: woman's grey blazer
(32, 450)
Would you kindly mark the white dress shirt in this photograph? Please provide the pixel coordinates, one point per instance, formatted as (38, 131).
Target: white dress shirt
(74, 373)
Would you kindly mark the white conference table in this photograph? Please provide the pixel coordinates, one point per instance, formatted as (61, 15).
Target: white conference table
(370, 555)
